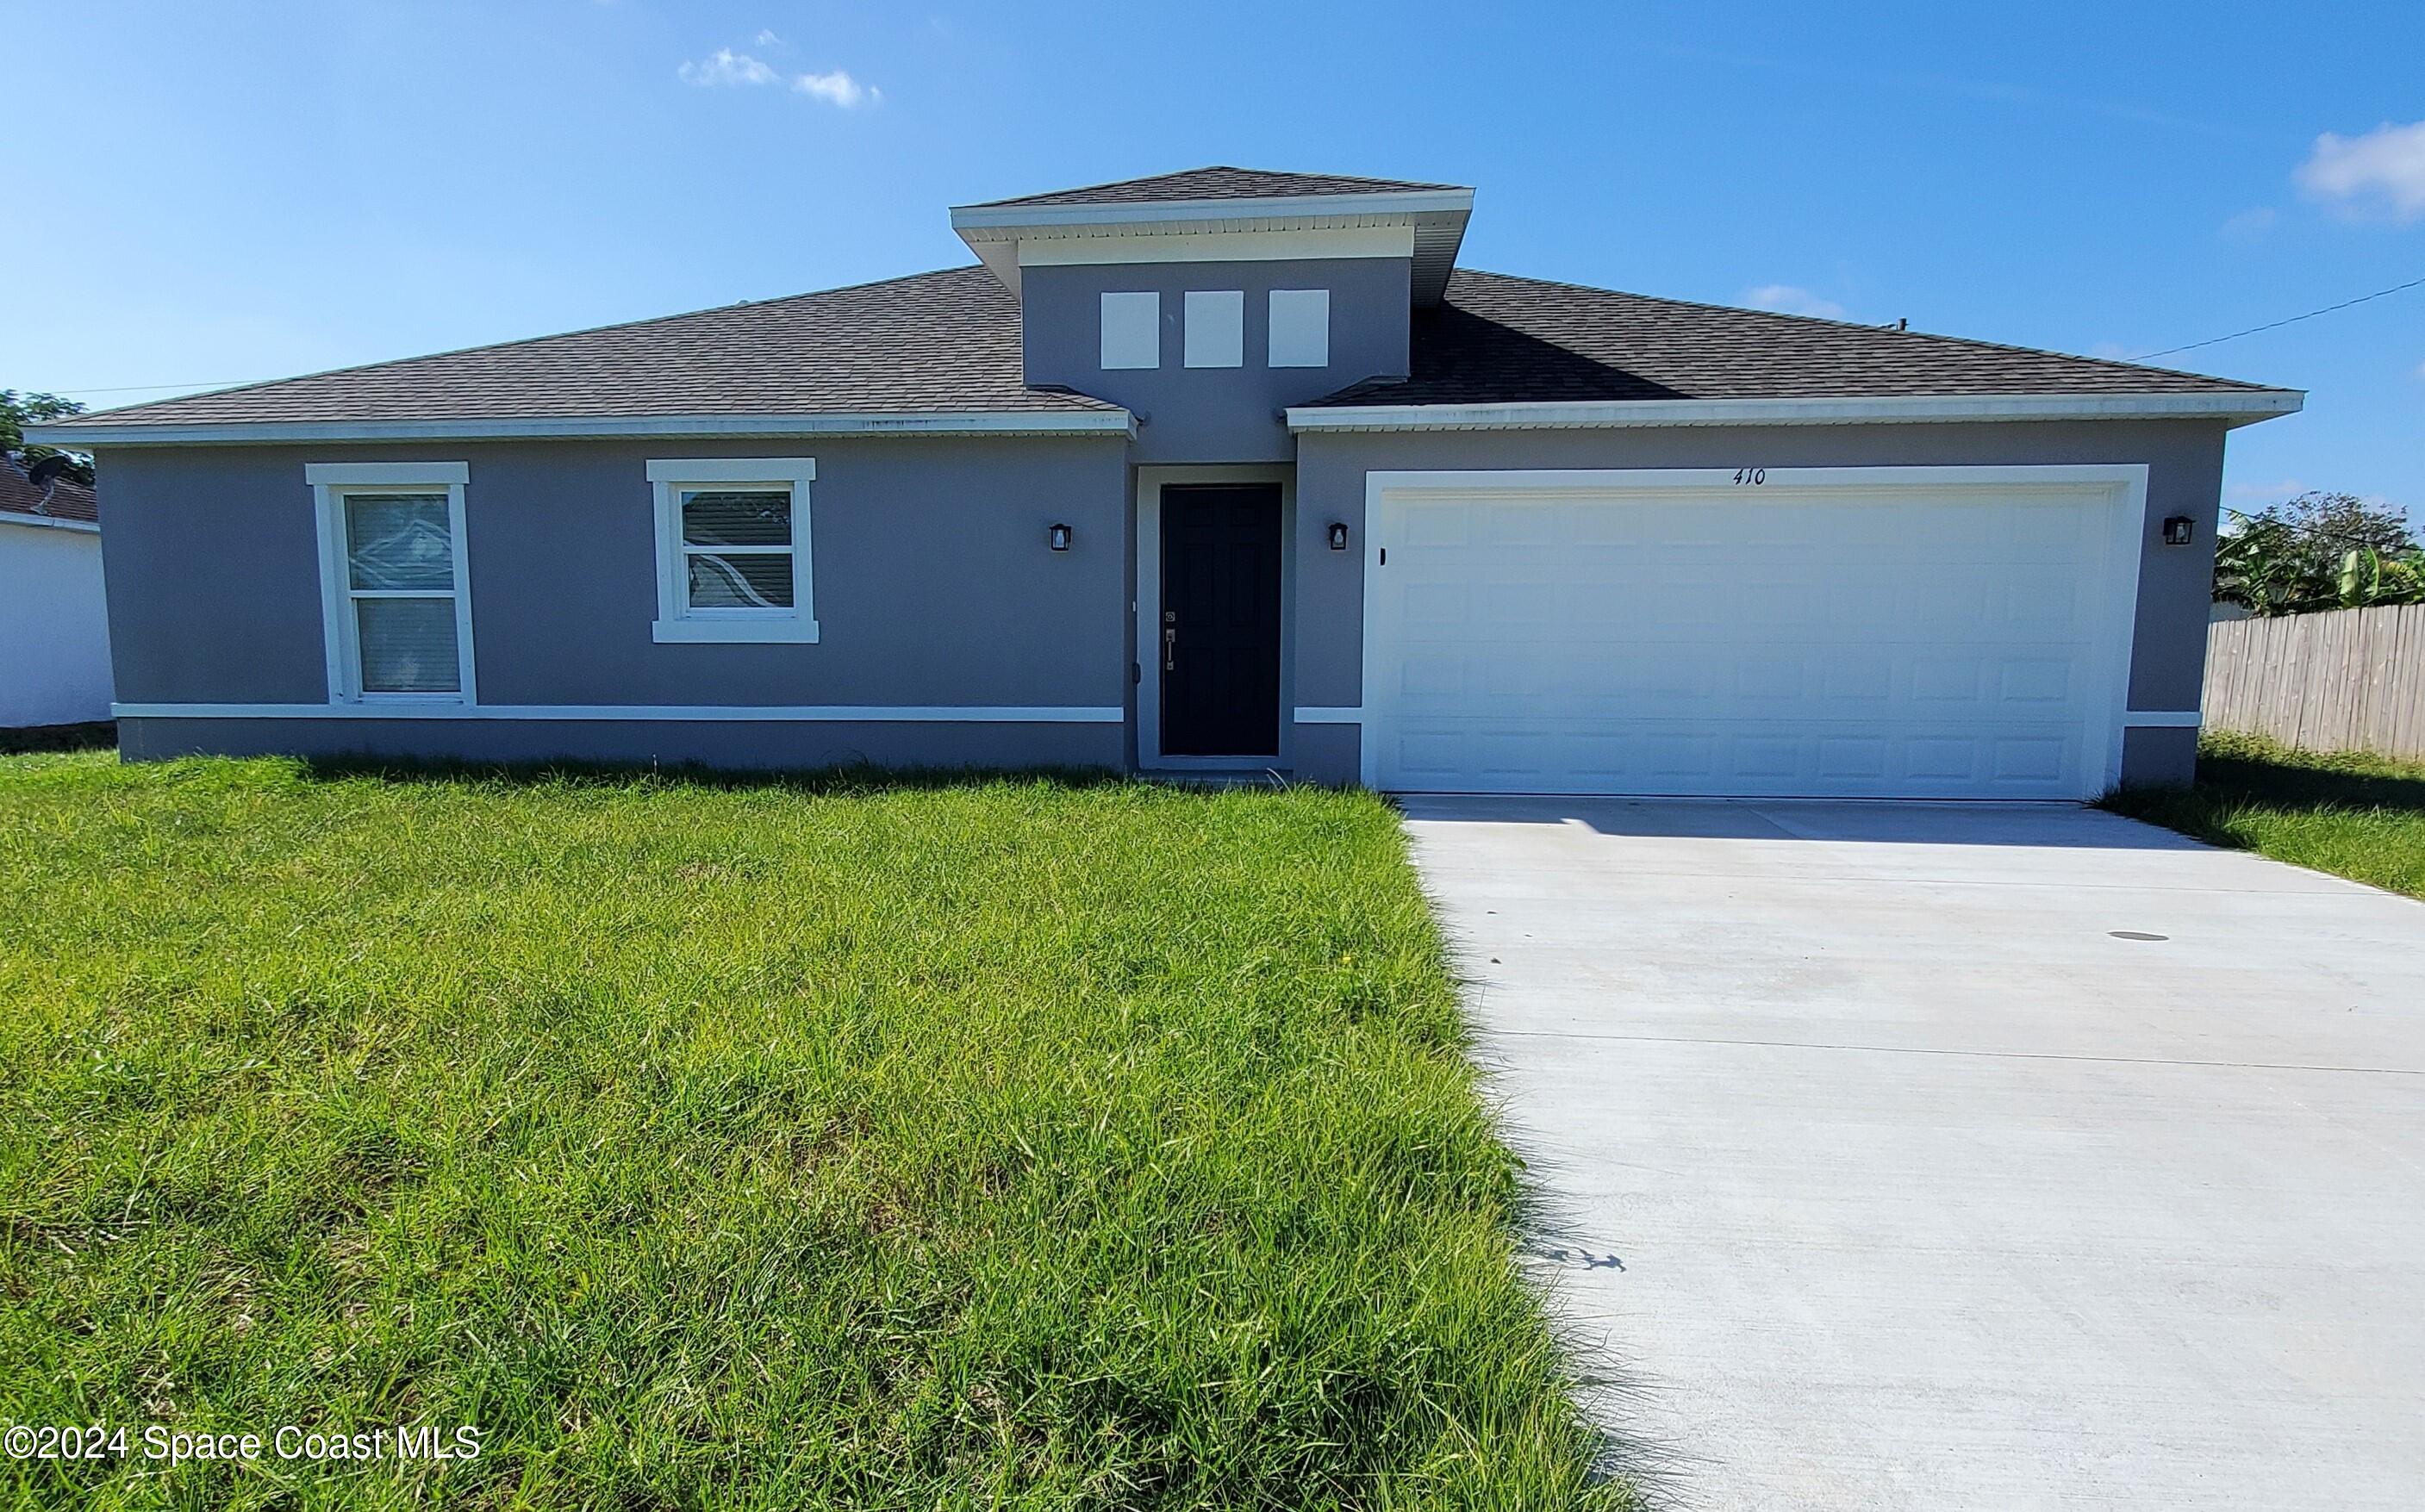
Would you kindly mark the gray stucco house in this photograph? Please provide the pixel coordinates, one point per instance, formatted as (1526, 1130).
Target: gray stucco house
(1218, 469)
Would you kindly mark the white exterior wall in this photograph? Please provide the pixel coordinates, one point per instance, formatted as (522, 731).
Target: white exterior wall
(54, 625)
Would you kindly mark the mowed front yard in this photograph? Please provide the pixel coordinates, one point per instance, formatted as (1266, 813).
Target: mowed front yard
(1013, 1144)
(2354, 815)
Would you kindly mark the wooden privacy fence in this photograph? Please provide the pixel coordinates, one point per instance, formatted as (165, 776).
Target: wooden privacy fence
(2347, 679)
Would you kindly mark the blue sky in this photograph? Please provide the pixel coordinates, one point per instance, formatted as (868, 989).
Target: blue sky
(247, 191)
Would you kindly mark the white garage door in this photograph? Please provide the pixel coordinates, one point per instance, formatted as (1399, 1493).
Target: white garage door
(1942, 632)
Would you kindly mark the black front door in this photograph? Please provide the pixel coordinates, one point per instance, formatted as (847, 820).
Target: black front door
(1220, 630)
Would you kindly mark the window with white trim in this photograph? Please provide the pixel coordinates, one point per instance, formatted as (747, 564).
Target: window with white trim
(1132, 330)
(732, 550)
(1216, 328)
(1299, 331)
(395, 592)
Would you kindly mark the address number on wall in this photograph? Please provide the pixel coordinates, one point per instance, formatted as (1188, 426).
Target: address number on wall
(1754, 476)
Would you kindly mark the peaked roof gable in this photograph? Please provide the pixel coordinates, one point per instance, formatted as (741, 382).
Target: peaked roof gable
(1219, 182)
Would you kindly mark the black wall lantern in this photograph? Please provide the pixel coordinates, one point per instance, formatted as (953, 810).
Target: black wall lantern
(1059, 537)
(2179, 530)
(1339, 536)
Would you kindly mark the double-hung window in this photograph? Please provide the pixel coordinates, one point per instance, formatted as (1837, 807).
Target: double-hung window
(732, 550)
(394, 592)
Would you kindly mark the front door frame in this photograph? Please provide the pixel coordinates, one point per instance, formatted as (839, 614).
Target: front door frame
(1145, 628)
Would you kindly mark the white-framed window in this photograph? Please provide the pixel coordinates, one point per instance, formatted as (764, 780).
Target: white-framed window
(1300, 328)
(396, 597)
(1216, 328)
(1132, 330)
(732, 550)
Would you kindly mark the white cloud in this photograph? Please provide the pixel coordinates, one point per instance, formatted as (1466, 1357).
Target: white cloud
(2251, 223)
(766, 38)
(727, 67)
(2111, 351)
(1785, 298)
(837, 88)
(2383, 170)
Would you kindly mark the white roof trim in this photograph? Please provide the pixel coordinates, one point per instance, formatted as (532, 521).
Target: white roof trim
(967, 218)
(1096, 248)
(2241, 408)
(12, 517)
(949, 423)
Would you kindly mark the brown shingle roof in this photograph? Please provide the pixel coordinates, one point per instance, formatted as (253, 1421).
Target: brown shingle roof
(69, 498)
(933, 341)
(1214, 183)
(950, 341)
(1497, 339)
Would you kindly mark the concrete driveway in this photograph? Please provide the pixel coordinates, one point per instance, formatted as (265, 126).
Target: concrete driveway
(1904, 1155)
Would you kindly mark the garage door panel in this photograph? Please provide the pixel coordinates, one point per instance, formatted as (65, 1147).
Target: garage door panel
(1519, 524)
(1656, 642)
(1943, 680)
(1942, 758)
(1773, 757)
(2038, 680)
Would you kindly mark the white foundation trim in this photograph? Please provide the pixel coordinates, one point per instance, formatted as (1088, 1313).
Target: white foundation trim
(757, 713)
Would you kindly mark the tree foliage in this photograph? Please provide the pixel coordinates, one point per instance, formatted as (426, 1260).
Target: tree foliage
(17, 411)
(2320, 550)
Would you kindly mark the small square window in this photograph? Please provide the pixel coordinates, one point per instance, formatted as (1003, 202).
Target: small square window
(1300, 331)
(1132, 330)
(732, 550)
(736, 549)
(1216, 328)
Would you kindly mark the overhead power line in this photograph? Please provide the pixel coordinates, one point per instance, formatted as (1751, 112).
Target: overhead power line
(2276, 324)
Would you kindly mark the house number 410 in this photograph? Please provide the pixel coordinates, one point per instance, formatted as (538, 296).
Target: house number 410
(1751, 475)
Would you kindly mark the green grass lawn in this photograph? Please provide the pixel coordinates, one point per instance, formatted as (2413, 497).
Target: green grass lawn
(1015, 1143)
(2357, 816)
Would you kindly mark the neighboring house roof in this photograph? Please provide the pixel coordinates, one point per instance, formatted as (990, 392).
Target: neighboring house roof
(69, 500)
(948, 343)
(1497, 339)
(1215, 183)
(931, 343)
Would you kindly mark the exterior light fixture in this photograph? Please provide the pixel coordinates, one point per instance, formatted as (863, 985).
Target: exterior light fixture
(1059, 537)
(2179, 531)
(1339, 536)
